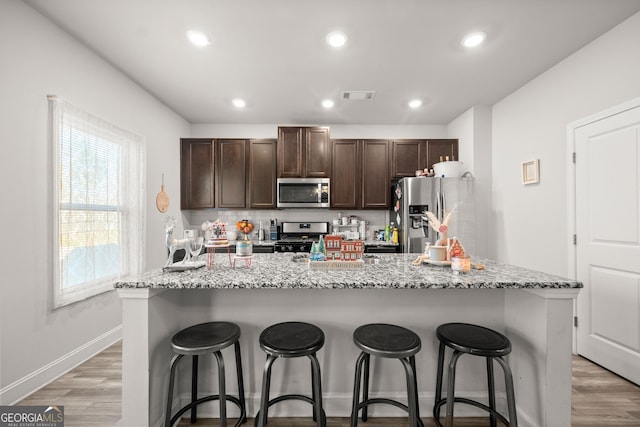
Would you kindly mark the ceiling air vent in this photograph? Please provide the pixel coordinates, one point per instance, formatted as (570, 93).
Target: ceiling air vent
(359, 95)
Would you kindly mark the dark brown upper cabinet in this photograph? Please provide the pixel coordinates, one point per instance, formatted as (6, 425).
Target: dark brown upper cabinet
(407, 156)
(410, 155)
(361, 174)
(231, 168)
(439, 150)
(346, 182)
(262, 173)
(197, 173)
(304, 152)
(376, 174)
(227, 173)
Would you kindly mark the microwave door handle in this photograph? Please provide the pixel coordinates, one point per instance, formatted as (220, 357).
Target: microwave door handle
(319, 193)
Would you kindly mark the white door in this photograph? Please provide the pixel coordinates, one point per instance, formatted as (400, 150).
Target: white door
(608, 241)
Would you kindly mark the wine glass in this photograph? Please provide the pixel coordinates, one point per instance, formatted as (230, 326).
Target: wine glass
(195, 246)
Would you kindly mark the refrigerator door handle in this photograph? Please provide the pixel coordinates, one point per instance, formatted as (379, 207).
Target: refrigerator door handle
(444, 206)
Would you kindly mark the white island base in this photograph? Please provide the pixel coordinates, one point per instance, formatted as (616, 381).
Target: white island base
(537, 321)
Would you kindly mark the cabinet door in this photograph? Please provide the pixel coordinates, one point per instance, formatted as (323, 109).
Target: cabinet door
(345, 178)
(439, 149)
(231, 173)
(262, 173)
(290, 152)
(317, 149)
(197, 173)
(376, 174)
(407, 157)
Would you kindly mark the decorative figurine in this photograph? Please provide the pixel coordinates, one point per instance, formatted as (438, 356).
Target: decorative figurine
(440, 227)
(174, 244)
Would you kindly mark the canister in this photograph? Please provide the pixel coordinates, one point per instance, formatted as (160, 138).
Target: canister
(461, 263)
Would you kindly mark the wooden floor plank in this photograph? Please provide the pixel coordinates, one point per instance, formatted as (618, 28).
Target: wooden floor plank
(92, 397)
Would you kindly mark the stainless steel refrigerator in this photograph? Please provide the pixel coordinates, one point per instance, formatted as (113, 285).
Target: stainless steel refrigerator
(411, 197)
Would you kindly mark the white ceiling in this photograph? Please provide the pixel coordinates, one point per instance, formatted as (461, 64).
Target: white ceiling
(273, 53)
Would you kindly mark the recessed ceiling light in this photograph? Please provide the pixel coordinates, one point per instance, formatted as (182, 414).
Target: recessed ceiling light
(238, 103)
(198, 38)
(474, 39)
(328, 103)
(336, 39)
(415, 103)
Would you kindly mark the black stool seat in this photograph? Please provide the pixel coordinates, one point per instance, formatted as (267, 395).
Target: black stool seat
(383, 340)
(288, 340)
(291, 339)
(387, 341)
(204, 338)
(475, 340)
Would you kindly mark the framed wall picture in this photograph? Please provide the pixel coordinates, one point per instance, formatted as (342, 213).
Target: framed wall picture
(531, 172)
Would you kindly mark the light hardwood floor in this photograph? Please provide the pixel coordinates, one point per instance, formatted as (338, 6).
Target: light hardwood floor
(91, 395)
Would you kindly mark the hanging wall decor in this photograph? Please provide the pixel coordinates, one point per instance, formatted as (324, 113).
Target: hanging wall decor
(531, 172)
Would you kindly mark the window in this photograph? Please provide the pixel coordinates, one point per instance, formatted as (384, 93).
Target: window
(98, 203)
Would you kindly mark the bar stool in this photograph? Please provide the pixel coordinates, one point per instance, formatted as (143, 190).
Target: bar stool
(388, 341)
(288, 340)
(475, 340)
(210, 337)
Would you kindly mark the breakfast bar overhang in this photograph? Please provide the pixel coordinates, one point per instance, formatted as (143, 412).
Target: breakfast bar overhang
(533, 309)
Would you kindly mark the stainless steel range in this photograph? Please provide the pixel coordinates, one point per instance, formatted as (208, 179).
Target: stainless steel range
(299, 236)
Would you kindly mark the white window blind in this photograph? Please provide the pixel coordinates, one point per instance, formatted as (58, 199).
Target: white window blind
(98, 199)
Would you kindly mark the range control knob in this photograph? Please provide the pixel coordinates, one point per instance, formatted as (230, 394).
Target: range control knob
(289, 248)
(301, 248)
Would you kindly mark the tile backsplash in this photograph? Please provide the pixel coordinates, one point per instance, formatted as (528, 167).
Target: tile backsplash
(193, 219)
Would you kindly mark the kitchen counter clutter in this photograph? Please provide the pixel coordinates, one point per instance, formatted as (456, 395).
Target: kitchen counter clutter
(533, 309)
(279, 271)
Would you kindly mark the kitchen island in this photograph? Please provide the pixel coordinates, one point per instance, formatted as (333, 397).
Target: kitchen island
(533, 309)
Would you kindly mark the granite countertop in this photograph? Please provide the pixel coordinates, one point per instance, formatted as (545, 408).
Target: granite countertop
(273, 242)
(395, 271)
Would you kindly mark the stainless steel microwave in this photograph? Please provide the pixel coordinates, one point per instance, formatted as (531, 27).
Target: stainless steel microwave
(303, 192)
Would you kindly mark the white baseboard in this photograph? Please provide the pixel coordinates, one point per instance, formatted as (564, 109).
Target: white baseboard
(23, 387)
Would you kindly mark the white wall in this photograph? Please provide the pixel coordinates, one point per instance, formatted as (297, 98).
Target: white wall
(203, 130)
(473, 131)
(530, 222)
(38, 58)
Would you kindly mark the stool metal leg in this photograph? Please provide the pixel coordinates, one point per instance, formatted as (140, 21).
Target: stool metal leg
(412, 361)
(356, 389)
(492, 392)
(222, 392)
(411, 393)
(511, 397)
(172, 375)
(436, 406)
(194, 387)
(243, 403)
(266, 385)
(313, 391)
(365, 387)
(317, 391)
(451, 384)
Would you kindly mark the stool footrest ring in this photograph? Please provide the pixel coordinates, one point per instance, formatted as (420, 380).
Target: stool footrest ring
(436, 409)
(291, 397)
(241, 420)
(378, 400)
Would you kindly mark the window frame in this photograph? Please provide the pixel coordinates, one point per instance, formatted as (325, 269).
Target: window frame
(131, 226)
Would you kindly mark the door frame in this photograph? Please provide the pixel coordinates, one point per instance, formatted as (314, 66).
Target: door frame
(572, 257)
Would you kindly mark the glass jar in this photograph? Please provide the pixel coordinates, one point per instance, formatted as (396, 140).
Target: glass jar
(244, 247)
